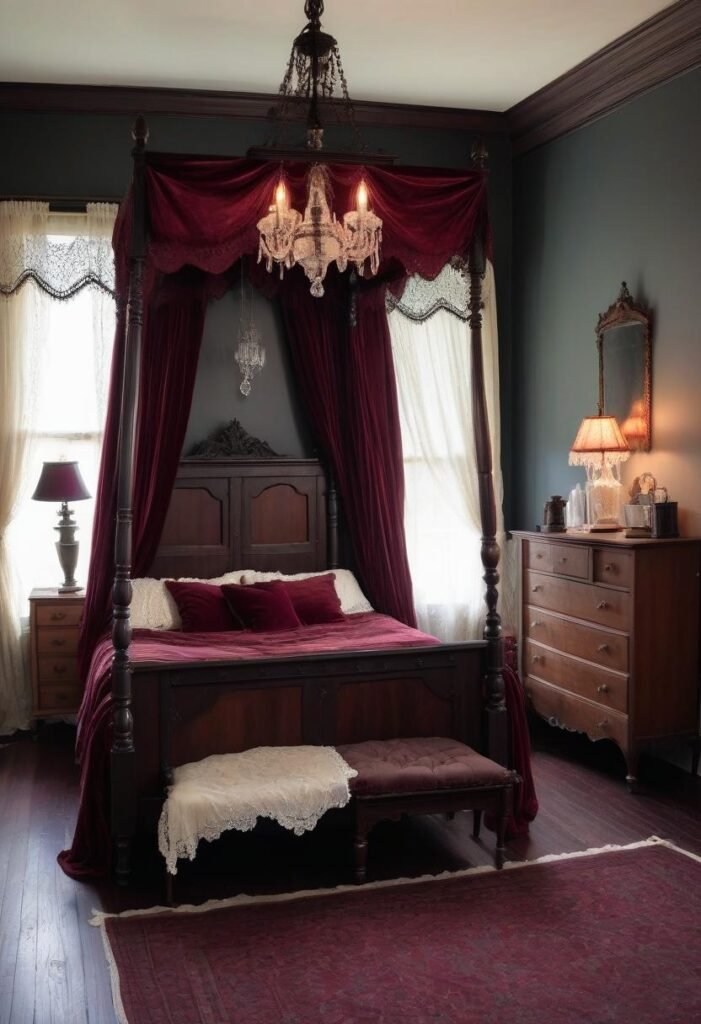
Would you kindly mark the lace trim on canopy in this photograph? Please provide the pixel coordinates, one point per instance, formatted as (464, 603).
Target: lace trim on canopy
(293, 786)
(59, 260)
(422, 298)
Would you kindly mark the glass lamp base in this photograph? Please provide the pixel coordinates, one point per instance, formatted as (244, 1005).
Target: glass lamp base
(604, 503)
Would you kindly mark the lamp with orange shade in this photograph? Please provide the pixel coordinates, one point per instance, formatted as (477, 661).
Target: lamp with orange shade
(601, 448)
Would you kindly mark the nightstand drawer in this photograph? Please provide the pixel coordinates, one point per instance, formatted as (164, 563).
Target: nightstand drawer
(582, 600)
(58, 669)
(590, 642)
(59, 614)
(59, 698)
(58, 641)
(571, 712)
(596, 684)
(614, 567)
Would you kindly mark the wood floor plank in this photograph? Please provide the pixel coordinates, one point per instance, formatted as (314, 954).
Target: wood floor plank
(52, 964)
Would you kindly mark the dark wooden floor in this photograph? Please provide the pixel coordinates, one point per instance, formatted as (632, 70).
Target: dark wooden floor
(52, 967)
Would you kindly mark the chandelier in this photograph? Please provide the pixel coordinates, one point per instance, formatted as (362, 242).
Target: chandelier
(250, 354)
(317, 239)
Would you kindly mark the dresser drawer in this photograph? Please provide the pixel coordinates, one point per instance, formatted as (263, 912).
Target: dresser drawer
(569, 560)
(65, 697)
(572, 712)
(581, 677)
(59, 669)
(59, 614)
(607, 649)
(58, 641)
(538, 555)
(583, 600)
(614, 567)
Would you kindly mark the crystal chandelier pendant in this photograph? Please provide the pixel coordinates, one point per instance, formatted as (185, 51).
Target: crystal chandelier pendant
(250, 354)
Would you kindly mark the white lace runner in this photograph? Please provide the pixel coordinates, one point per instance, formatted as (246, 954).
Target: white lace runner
(294, 786)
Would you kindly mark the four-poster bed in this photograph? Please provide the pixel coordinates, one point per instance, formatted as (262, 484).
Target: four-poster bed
(175, 706)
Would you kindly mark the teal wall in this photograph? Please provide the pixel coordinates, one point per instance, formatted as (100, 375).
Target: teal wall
(617, 200)
(88, 157)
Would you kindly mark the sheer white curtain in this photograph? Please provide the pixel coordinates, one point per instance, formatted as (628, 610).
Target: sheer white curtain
(56, 333)
(442, 520)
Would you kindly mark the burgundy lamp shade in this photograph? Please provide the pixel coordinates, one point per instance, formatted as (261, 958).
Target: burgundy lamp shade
(60, 481)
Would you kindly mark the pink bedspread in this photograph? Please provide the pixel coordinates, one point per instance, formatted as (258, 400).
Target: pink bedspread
(91, 851)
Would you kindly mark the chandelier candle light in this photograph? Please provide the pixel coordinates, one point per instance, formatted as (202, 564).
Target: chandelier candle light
(601, 448)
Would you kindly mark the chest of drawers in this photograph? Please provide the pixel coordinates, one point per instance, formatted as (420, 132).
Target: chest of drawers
(610, 636)
(54, 628)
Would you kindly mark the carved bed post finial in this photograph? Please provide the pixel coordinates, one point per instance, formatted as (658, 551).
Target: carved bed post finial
(479, 154)
(497, 724)
(122, 753)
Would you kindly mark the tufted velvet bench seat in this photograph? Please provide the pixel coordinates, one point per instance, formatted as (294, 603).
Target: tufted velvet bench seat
(424, 775)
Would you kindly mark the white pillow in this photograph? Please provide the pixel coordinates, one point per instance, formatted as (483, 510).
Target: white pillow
(153, 607)
(353, 600)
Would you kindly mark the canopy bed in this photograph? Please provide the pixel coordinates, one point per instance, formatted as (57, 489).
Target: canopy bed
(168, 699)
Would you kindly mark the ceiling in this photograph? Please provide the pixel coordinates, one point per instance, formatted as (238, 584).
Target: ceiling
(488, 54)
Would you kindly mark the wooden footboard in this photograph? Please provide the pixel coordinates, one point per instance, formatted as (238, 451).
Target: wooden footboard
(185, 712)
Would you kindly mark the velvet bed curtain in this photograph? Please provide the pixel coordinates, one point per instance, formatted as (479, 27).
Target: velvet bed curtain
(202, 215)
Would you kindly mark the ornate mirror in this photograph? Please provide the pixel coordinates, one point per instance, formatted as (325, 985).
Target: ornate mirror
(624, 341)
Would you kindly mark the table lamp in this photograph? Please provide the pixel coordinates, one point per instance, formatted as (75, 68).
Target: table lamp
(61, 481)
(601, 447)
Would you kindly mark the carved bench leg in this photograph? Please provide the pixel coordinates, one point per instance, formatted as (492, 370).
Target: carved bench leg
(505, 806)
(476, 824)
(361, 849)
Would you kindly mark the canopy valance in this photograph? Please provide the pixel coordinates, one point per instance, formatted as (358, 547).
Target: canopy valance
(203, 212)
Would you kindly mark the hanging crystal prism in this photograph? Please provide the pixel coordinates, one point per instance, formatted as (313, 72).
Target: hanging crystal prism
(250, 354)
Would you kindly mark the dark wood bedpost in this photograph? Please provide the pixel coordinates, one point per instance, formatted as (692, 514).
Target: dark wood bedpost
(497, 721)
(332, 520)
(122, 754)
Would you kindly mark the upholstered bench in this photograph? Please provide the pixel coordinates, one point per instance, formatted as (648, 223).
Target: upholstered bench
(425, 775)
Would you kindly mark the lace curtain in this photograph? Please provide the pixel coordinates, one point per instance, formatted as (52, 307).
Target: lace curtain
(431, 350)
(45, 257)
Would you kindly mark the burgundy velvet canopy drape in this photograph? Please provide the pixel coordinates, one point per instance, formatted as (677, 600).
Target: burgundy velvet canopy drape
(201, 219)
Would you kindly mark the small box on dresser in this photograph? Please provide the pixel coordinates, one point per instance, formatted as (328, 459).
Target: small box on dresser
(54, 626)
(610, 636)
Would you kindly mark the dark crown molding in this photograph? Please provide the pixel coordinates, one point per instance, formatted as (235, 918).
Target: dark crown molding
(657, 50)
(128, 101)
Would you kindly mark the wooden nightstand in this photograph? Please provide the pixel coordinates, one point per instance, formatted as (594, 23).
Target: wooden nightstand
(54, 628)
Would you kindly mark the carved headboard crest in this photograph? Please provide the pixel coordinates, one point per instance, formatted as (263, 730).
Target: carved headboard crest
(232, 441)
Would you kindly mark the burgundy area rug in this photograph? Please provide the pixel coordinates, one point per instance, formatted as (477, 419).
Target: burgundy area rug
(611, 937)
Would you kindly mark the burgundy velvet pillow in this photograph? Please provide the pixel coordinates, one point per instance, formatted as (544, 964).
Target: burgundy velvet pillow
(202, 607)
(262, 608)
(314, 599)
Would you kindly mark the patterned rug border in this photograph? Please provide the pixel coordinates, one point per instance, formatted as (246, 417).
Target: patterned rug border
(100, 918)
(243, 900)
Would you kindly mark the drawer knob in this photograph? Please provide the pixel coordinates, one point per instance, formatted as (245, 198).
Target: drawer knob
(59, 669)
(536, 588)
(563, 559)
(539, 554)
(57, 616)
(602, 604)
(58, 641)
(537, 657)
(604, 724)
(608, 567)
(603, 648)
(536, 623)
(603, 688)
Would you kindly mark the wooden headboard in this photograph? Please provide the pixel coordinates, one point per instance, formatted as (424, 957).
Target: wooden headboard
(267, 514)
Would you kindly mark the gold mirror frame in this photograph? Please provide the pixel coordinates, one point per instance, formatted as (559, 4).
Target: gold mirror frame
(626, 311)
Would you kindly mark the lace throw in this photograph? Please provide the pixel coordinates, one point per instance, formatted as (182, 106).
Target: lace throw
(293, 786)
(62, 254)
(422, 298)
